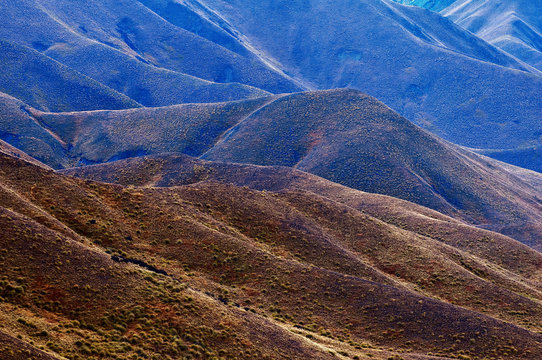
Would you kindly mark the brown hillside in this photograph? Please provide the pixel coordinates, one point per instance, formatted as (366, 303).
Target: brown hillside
(297, 262)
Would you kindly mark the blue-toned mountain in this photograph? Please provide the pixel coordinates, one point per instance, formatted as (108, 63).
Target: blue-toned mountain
(128, 49)
(422, 65)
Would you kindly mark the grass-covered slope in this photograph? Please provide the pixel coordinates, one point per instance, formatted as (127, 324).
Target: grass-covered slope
(106, 62)
(252, 274)
(514, 26)
(51, 86)
(417, 62)
(342, 135)
(126, 46)
(99, 136)
(64, 295)
(357, 141)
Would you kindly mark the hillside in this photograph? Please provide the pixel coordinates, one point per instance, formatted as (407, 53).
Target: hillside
(514, 26)
(341, 135)
(18, 128)
(420, 64)
(434, 5)
(48, 85)
(271, 180)
(127, 47)
(317, 278)
(464, 88)
(528, 157)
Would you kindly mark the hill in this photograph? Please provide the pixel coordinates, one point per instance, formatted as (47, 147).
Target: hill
(341, 135)
(48, 85)
(319, 279)
(514, 26)
(528, 158)
(129, 48)
(420, 64)
(430, 70)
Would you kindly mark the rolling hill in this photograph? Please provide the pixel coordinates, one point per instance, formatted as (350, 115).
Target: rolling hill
(341, 135)
(49, 30)
(317, 277)
(50, 86)
(420, 64)
(514, 26)
(213, 179)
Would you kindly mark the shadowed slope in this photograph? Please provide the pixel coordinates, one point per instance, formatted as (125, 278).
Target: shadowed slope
(527, 158)
(13, 151)
(341, 135)
(417, 62)
(126, 46)
(107, 63)
(20, 129)
(48, 85)
(289, 259)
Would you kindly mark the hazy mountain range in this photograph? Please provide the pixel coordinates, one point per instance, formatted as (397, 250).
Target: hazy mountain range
(242, 179)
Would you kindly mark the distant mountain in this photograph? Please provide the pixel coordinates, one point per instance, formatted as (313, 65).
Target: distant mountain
(514, 25)
(417, 62)
(434, 5)
(341, 135)
(196, 269)
(130, 49)
(46, 84)
(163, 52)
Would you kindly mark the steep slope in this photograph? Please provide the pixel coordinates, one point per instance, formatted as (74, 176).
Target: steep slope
(48, 85)
(133, 50)
(288, 263)
(423, 66)
(356, 141)
(13, 151)
(514, 26)
(20, 129)
(434, 5)
(341, 135)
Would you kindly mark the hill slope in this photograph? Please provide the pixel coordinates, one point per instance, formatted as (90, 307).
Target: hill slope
(421, 65)
(341, 135)
(48, 85)
(312, 274)
(514, 26)
(434, 5)
(129, 48)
